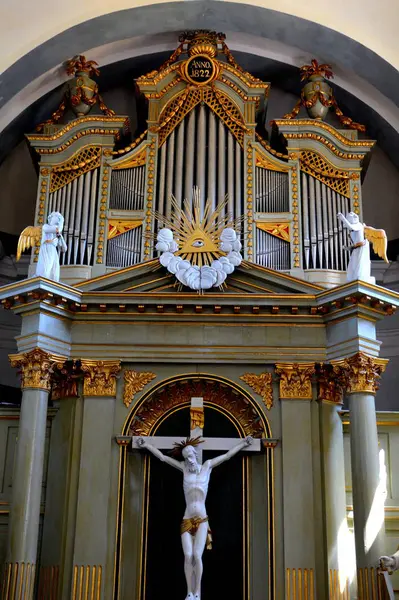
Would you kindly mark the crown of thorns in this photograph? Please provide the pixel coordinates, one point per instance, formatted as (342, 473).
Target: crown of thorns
(179, 446)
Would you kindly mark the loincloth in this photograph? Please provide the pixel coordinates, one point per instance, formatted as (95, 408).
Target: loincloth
(191, 526)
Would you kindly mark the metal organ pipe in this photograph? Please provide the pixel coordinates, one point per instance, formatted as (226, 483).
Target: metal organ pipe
(169, 174)
(179, 163)
(230, 173)
(189, 166)
(237, 170)
(221, 163)
(201, 143)
(305, 219)
(312, 215)
(212, 160)
(319, 222)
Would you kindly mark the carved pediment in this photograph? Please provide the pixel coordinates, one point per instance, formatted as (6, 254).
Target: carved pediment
(151, 277)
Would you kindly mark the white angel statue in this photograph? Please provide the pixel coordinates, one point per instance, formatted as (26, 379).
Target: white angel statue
(359, 266)
(50, 238)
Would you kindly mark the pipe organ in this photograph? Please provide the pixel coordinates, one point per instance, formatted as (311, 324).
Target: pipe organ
(201, 131)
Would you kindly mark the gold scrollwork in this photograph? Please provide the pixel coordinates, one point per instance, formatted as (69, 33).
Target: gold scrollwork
(36, 368)
(180, 393)
(100, 377)
(135, 381)
(360, 372)
(261, 384)
(295, 380)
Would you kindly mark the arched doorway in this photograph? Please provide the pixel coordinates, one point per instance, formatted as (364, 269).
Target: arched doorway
(151, 500)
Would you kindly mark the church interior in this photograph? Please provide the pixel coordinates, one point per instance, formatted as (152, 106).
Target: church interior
(199, 272)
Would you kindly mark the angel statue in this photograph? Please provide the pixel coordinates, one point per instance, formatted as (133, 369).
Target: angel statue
(359, 266)
(50, 238)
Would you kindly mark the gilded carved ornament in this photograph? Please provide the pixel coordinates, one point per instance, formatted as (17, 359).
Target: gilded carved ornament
(360, 372)
(100, 377)
(261, 384)
(295, 380)
(36, 368)
(180, 394)
(135, 381)
(330, 384)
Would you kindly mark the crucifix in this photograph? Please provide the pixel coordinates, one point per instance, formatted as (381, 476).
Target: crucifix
(195, 531)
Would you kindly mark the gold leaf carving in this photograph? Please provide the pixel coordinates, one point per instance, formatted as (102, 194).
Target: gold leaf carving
(181, 392)
(262, 385)
(360, 372)
(331, 389)
(135, 382)
(100, 377)
(295, 380)
(36, 368)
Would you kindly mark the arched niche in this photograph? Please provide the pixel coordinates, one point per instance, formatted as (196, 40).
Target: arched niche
(164, 410)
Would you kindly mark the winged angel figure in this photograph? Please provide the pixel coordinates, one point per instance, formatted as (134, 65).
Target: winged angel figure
(359, 266)
(50, 238)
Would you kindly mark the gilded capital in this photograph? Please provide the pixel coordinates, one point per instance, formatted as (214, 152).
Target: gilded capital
(295, 380)
(135, 382)
(261, 384)
(36, 368)
(65, 380)
(100, 377)
(360, 372)
(330, 383)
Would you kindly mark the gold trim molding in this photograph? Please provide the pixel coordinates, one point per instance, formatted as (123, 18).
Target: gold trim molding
(36, 368)
(262, 385)
(100, 377)
(295, 380)
(135, 381)
(360, 372)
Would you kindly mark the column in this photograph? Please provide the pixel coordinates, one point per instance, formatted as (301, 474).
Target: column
(299, 522)
(360, 375)
(341, 560)
(91, 532)
(19, 577)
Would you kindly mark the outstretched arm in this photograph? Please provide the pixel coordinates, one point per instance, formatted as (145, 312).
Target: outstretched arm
(215, 462)
(142, 444)
(62, 243)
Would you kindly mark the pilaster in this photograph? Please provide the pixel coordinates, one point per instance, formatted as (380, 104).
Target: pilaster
(90, 543)
(299, 535)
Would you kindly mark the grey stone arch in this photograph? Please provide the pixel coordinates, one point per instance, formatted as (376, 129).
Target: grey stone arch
(230, 17)
(131, 504)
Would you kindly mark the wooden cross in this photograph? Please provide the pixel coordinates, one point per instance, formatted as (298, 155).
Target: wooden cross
(196, 430)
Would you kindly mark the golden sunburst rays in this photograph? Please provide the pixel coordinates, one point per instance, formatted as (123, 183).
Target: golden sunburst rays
(197, 230)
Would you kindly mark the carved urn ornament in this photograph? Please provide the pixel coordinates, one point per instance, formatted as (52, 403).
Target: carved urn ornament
(317, 94)
(318, 97)
(81, 93)
(82, 90)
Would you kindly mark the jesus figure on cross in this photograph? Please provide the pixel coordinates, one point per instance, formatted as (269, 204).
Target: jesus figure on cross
(195, 532)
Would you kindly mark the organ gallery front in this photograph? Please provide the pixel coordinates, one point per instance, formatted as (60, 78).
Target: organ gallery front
(203, 289)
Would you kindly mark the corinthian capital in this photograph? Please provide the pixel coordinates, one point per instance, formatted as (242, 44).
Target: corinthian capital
(360, 372)
(36, 367)
(100, 377)
(295, 380)
(331, 384)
